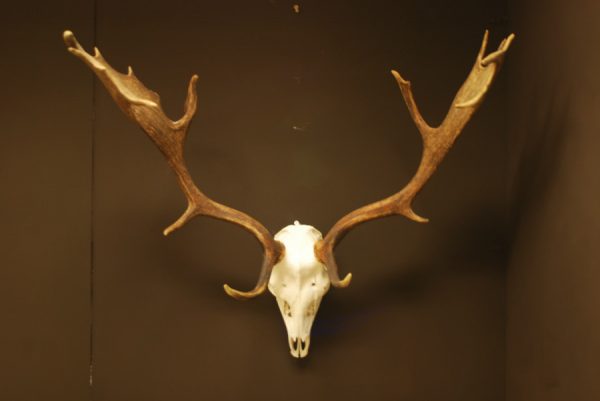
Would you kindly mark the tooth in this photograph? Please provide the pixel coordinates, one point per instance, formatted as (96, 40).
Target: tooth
(303, 347)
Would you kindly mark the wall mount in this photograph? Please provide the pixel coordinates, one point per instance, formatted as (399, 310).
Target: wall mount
(298, 262)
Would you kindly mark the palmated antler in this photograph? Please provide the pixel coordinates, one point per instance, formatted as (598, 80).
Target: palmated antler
(143, 107)
(436, 143)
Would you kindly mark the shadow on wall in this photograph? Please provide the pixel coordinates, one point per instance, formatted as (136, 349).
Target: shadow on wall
(539, 145)
(478, 244)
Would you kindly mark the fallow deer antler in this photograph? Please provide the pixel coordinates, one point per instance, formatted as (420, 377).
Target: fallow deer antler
(436, 143)
(143, 107)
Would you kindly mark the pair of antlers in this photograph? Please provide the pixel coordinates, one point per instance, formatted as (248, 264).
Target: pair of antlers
(143, 107)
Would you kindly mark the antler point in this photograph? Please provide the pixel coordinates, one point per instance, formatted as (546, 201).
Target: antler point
(70, 40)
(399, 78)
(509, 40)
(346, 281)
(240, 296)
(409, 213)
(231, 292)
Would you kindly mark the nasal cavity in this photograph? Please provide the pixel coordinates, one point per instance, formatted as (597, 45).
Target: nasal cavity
(303, 348)
(299, 347)
(294, 343)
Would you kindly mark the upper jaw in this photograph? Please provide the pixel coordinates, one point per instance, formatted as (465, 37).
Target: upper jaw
(299, 346)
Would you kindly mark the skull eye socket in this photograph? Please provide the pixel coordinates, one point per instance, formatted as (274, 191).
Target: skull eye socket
(287, 310)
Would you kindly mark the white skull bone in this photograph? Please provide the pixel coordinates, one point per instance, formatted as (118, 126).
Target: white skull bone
(299, 281)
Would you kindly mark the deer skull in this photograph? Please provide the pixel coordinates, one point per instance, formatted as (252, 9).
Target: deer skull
(299, 264)
(299, 281)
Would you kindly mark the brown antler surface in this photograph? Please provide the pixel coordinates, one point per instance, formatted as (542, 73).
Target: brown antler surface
(436, 143)
(142, 106)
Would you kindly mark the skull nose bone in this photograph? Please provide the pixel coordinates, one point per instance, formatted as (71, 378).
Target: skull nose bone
(299, 346)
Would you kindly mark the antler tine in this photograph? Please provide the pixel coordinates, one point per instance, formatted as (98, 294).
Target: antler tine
(142, 106)
(436, 143)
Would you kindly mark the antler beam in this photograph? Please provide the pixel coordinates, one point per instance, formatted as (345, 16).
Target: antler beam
(142, 106)
(436, 143)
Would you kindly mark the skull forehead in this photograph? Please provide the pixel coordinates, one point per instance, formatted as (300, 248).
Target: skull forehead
(286, 279)
(297, 232)
(299, 241)
(294, 272)
(299, 273)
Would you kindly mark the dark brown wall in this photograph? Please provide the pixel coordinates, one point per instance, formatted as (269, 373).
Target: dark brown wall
(424, 317)
(553, 329)
(45, 160)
